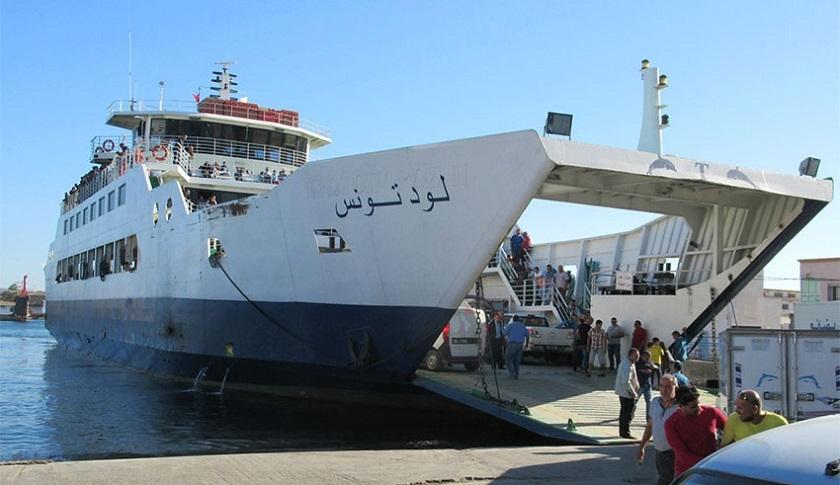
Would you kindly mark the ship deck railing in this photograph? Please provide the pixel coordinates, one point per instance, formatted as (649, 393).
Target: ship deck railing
(180, 147)
(174, 150)
(665, 282)
(182, 106)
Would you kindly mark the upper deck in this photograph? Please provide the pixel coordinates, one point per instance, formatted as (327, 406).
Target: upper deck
(210, 111)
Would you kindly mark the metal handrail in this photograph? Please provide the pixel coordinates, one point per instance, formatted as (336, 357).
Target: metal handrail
(95, 180)
(179, 147)
(259, 114)
(648, 281)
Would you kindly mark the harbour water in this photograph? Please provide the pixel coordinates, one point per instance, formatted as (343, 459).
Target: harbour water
(57, 404)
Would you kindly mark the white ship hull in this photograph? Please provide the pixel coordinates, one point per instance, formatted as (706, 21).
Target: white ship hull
(420, 223)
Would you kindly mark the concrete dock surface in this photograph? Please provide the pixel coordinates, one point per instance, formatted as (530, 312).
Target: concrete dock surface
(554, 397)
(537, 465)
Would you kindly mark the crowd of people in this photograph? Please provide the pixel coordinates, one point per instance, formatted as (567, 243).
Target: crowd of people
(538, 286)
(240, 174)
(682, 430)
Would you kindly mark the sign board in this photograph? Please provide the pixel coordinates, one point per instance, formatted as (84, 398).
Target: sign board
(624, 281)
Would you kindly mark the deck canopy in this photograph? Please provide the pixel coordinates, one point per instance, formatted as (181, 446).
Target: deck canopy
(739, 217)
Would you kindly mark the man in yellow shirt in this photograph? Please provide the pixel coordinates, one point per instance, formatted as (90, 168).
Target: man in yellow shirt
(656, 358)
(751, 418)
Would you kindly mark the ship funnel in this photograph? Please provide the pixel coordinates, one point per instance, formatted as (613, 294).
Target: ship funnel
(653, 121)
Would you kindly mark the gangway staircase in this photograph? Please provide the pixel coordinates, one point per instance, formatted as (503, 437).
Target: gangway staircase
(523, 290)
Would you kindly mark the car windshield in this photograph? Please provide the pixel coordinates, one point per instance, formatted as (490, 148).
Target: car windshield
(534, 321)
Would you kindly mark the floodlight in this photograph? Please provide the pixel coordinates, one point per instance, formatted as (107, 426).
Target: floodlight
(810, 166)
(558, 124)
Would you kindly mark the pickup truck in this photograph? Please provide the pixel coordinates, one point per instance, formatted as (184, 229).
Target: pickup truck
(545, 340)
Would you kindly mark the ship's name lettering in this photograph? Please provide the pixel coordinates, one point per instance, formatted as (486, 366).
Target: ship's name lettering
(370, 205)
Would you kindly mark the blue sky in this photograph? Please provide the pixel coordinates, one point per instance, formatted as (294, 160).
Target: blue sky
(753, 83)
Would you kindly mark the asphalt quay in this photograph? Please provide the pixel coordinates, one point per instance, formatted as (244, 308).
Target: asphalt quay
(562, 404)
(526, 465)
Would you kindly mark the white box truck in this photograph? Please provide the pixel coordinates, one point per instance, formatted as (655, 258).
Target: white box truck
(796, 372)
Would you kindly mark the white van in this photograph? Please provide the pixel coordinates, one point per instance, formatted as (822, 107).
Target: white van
(458, 343)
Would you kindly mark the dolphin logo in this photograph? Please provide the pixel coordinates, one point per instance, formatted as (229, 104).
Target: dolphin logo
(812, 379)
(661, 163)
(737, 174)
(766, 377)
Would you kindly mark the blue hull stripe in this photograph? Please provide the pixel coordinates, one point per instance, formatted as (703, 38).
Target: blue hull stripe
(306, 344)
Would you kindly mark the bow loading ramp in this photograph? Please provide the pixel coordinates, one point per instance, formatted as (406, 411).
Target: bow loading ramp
(561, 404)
(739, 219)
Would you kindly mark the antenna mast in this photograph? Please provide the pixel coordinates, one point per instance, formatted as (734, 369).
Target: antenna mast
(130, 74)
(653, 121)
(224, 80)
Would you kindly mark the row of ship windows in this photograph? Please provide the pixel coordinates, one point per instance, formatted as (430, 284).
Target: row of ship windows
(95, 209)
(114, 257)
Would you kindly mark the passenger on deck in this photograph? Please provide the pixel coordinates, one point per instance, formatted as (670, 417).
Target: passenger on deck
(656, 352)
(692, 432)
(526, 245)
(206, 169)
(640, 336)
(212, 200)
(661, 409)
(676, 368)
(539, 286)
(679, 349)
(616, 334)
(550, 279)
(581, 357)
(562, 281)
(645, 370)
(597, 347)
(516, 246)
(516, 335)
(627, 388)
(495, 335)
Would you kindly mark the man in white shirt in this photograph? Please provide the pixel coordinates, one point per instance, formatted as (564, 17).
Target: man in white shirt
(627, 388)
(662, 407)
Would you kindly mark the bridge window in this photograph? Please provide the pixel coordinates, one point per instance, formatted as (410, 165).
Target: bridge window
(92, 211)
(330, 241)
(121, 195)
(110, 201)
(101, 206)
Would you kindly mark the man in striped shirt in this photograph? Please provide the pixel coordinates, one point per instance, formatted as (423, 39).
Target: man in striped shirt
(597, 344)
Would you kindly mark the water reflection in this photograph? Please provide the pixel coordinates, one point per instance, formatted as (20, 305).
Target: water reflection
(60, 404)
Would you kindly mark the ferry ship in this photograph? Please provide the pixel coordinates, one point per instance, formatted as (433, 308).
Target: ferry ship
(205, 242)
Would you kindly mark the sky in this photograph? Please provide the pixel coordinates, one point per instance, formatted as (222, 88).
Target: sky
(752, 83)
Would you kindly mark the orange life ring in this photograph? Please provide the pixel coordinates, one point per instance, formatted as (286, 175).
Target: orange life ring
(160, 152)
